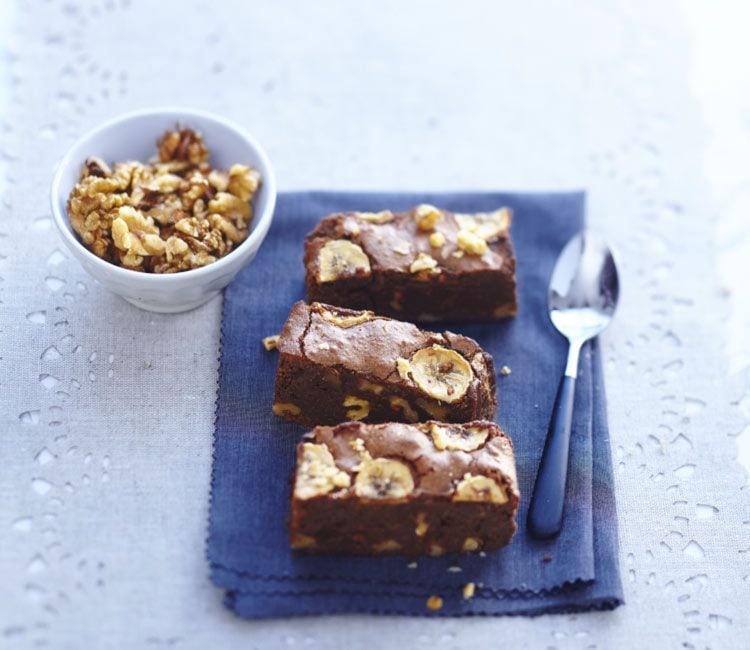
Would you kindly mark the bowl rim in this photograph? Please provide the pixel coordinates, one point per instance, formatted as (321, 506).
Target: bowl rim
(258, 233)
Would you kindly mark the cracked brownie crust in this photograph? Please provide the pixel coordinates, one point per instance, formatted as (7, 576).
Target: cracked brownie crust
(424, 264)
(340, 364)
(429, 488)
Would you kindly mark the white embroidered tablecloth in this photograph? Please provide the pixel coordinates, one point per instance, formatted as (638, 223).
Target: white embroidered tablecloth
(107, 411)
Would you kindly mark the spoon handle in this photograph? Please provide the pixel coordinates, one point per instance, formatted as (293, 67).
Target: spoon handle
(547, 502)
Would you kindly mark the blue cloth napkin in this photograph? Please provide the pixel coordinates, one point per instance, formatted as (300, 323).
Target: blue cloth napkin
(248, 552)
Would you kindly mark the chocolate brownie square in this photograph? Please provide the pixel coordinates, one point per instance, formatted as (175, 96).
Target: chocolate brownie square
(424, 264)
(339, 364)
(411, 489)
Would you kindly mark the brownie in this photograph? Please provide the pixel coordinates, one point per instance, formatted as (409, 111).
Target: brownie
(424, 264)
(339, 364)
(411, 489)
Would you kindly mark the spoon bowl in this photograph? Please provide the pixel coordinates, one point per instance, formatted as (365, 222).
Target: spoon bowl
(583, 294)
(584, 288)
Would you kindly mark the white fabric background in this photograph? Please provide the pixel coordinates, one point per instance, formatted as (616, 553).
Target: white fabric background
(107, 411)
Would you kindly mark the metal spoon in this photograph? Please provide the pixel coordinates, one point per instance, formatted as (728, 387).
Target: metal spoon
(583, 295)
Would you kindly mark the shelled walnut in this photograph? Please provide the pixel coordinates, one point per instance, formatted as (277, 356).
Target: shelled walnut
(173, 214)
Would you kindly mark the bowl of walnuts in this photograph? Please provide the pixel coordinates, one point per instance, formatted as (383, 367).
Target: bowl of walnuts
(164, 206)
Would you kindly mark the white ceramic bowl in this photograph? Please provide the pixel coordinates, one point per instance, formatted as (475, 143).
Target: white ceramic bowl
(133, 137)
